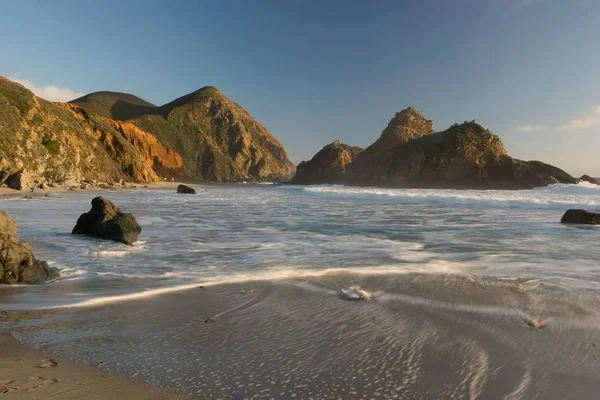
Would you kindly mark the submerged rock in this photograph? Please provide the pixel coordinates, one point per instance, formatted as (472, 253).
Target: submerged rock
(17, 263)
(185, 189)
(573, 216)
(106, 221)
(589, 179)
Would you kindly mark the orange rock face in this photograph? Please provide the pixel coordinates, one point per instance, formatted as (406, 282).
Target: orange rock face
(164, 159)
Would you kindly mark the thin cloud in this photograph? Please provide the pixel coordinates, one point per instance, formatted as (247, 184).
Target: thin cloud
(586, 121)
(51, 92)
(532, 128)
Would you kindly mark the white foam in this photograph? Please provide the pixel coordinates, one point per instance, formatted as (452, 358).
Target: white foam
(354, 293)
(558, 196)
(270, 274)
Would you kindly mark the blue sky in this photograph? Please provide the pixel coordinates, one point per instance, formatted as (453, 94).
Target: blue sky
(316, 71)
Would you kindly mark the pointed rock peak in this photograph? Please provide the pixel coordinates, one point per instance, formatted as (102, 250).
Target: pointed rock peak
(412, 118)
(406, 125)
(338, 146)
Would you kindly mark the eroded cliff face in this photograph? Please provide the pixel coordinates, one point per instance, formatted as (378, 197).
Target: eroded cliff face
(410, 154)
(217, 139)
(328, 165)
(44, 144)
(166, 162)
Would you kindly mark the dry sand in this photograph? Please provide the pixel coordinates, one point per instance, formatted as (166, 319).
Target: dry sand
(29, 374)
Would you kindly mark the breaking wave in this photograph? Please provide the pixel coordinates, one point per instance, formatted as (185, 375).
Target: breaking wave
(558, 196)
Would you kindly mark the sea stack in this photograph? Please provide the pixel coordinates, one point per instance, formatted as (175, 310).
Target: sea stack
(410, 154)
(106, 221)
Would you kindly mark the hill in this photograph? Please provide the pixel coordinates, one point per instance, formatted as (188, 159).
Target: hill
(115, 105)
(52, 144)
(218, 140)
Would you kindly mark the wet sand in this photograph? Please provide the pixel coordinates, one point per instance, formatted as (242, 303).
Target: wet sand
(4, 191)
(29, 374)
(419, 337)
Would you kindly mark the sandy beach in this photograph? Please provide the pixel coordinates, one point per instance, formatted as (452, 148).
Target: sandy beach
(418, 337)
(30, 374)
(5, 191)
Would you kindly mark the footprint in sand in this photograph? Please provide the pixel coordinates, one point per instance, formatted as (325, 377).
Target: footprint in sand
(5, 387)
(535, 323)
(48, 363)
(40, 382)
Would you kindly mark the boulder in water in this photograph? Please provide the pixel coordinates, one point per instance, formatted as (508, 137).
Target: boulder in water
(589, 179)
(106, 221)
(573, 216)
(185, 189)
(17, 263)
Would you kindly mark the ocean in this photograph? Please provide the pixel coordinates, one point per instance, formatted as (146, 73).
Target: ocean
(473, 294)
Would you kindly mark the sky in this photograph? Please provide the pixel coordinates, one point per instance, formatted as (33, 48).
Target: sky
(316, 71)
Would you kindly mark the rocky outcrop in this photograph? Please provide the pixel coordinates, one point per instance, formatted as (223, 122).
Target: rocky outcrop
(106, 221)
(17, 263)
(44, 144)
(327, 166)
(463, 156)
(217, 139)
(573, 216)
(589, 179)
(466, 156)
(185, 189)
(406, 125)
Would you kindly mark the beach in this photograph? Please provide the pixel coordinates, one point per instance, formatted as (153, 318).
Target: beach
(418, 337)
(263, 291)
(31, 374)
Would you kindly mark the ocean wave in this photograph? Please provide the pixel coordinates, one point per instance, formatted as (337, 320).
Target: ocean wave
(556, 196)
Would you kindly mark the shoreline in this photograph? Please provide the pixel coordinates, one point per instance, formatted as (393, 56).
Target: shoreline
(31, 374)
(8, 192)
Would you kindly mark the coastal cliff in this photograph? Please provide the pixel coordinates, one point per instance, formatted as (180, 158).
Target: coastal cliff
(409, 153)
(218, 140)
(116, 138)
(45, 144)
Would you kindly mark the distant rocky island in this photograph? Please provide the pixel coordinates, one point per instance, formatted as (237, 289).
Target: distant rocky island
(411, 154)
(109, 138)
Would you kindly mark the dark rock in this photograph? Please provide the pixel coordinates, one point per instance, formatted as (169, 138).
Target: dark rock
(580, 217)
(185, 189)
(589, 179)
(17, 263)
(410, 154)
(106, 221)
